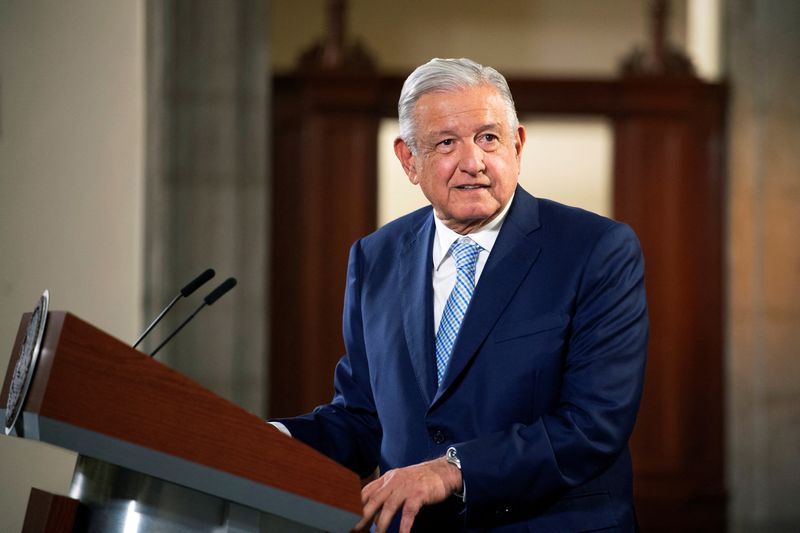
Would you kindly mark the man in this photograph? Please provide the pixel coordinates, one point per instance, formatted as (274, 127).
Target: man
(495, 343)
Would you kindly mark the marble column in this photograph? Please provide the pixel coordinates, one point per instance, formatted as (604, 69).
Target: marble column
(207, 193)
(763, 68)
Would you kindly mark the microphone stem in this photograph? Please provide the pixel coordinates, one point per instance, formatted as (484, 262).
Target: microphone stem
(157, 320)
(165, 341)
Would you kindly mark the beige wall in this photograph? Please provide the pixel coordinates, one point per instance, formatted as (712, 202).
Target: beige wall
(71, 188)
(555, 37)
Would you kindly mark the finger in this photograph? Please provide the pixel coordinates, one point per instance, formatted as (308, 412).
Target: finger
(410, 510)
(360, 529)
(365, 521)
(368, 490)
(373, 486)
(384, 518)
(372, 504)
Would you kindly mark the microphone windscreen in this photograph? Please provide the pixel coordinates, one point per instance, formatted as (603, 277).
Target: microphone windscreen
(224, 287)
(197, 282)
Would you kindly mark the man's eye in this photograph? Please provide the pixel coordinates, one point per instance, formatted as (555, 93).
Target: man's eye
(489, 137)
(445, 146)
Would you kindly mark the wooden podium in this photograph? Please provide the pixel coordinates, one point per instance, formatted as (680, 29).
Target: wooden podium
(158, 448)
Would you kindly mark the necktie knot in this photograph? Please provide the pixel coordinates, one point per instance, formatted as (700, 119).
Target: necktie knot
(466, 254)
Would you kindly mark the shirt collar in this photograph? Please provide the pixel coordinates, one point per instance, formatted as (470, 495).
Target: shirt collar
(485, 236)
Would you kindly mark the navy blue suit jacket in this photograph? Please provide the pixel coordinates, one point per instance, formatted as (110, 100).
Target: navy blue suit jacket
(542, 389)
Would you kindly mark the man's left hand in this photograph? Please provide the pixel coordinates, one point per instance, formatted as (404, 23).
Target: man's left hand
(408, 489)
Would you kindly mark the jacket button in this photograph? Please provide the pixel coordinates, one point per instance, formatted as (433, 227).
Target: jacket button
(439, 437)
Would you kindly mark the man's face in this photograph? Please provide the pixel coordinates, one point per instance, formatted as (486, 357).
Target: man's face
(468, 155)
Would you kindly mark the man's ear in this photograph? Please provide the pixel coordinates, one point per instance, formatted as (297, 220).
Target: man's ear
(519, 141)
(406, 158)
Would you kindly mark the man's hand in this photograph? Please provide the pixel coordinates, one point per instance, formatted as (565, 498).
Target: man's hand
(408, 489)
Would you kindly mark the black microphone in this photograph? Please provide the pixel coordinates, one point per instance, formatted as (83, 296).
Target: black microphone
(190, 287)
(210, 298)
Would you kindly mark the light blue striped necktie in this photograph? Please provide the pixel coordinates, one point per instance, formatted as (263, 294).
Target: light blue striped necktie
(466, 256)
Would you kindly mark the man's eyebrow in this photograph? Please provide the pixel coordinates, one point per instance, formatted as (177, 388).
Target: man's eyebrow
(490, 126)
(447, 132)
(442, 133)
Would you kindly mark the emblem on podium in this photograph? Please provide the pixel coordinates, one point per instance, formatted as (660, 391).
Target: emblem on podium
(26, 362)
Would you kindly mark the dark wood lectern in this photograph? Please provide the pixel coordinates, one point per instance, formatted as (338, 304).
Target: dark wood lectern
(117, 407)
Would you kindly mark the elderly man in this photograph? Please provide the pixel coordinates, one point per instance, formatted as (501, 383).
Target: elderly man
(495, 342)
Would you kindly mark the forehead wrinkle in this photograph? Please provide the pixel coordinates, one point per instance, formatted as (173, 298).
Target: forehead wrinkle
(451, 114)
(449, 131)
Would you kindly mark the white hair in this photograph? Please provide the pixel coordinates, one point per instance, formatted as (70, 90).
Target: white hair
(445, 75)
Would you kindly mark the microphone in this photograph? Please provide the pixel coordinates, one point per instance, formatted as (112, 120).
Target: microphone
(190, 287)
(210, 298)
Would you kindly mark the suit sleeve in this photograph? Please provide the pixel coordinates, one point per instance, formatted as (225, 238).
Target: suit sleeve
(601, 387)
(347, 430)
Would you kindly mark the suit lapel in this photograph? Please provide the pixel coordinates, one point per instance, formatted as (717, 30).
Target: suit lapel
(416, 289)
(512, 256)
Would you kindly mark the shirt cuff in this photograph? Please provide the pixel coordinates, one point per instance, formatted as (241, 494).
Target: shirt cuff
(280, 427)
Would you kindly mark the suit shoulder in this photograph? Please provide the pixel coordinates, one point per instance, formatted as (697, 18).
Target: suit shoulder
(555, 212)
(569, 220)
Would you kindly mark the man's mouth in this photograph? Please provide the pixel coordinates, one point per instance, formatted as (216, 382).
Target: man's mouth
(470, 187)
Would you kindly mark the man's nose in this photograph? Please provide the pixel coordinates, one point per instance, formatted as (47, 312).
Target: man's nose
(471, 159)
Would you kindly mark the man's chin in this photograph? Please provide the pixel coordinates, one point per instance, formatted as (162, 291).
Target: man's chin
(478, 213)
(470, 220)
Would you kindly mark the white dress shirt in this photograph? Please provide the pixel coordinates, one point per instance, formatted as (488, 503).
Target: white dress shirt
(444, 265)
